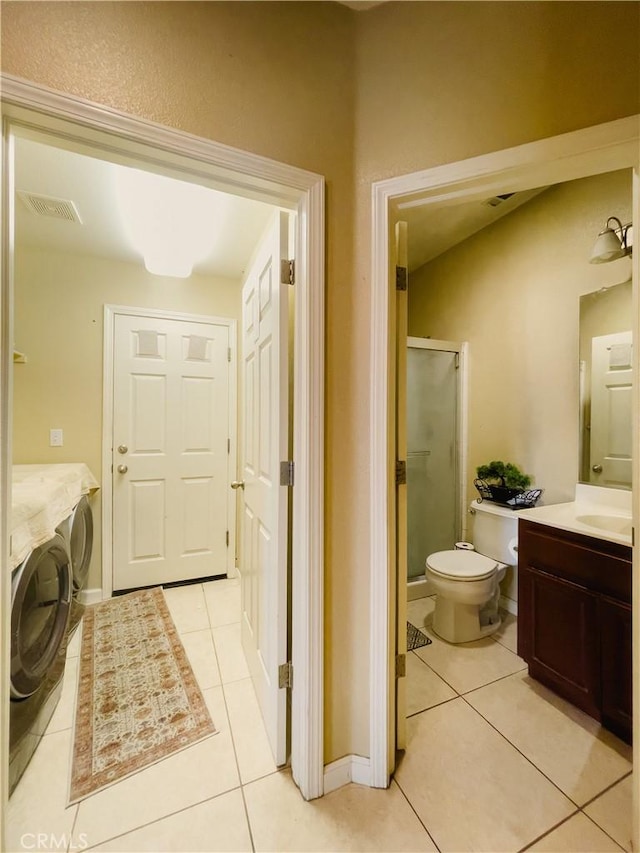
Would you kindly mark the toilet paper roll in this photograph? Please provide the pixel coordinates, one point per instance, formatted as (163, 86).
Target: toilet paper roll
(464, 546)
(512, 547)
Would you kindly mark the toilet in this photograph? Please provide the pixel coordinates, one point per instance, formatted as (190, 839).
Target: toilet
(467, 582)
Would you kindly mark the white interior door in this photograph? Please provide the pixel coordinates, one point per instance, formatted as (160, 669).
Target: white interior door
(611, 410)
(170, 450)
(264, 502)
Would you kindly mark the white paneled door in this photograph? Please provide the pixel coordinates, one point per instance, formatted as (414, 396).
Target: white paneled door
(264, 502)
(611, 456)
(171, 431)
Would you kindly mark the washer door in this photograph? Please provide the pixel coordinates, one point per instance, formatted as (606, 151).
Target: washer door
(40, 601)
(81, 542)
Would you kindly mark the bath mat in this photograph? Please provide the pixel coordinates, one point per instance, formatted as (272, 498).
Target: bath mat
(138, 700)
(415, 638)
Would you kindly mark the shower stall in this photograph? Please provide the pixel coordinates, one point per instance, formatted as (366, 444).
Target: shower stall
(436, 423)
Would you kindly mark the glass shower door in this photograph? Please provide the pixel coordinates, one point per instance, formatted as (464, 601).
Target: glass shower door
(432, 458)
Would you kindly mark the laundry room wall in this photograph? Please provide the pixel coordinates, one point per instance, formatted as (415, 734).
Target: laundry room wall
(357, 97)
(59, 309)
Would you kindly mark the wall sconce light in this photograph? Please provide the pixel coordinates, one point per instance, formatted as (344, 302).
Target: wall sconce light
(612, 243)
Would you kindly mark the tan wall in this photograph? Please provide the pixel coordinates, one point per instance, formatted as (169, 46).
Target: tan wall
(513, 292)
(59, 308)
(411, 85)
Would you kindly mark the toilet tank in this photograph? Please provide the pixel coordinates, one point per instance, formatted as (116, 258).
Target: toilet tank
(495, 531)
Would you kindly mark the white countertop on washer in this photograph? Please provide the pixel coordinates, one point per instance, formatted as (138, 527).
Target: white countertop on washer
(42, 496)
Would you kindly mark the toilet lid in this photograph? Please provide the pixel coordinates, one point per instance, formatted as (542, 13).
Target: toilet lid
(461, 565)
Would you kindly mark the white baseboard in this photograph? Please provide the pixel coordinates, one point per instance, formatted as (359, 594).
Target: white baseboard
(90, 596)
(509, 605)
(351, 768)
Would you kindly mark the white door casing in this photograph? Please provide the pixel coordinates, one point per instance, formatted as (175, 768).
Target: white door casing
(611, 457)
(172, 422)
(264, 502)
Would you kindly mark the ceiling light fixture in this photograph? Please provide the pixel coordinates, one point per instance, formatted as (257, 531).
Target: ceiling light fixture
(169, 222)
(612, 243)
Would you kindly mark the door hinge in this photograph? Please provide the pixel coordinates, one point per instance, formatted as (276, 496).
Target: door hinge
(457, 361)
(285, 675)
(286, 473)
(401, 473)
(228, 353)
(401, 666)
(227, 538)
(401, 278)
(228, 446)
(287, 272)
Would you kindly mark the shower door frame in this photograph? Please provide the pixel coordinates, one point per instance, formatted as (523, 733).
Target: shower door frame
(419, 588)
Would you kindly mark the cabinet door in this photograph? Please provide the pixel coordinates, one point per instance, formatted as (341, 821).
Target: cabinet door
(615, 632)
(563, 643)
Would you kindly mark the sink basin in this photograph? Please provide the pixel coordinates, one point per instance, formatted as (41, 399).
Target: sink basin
(613, 523)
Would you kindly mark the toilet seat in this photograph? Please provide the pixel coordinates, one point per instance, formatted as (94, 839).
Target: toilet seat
(461, 565)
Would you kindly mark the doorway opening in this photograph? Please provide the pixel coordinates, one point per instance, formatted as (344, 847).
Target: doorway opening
(584, 153)
(84, 127)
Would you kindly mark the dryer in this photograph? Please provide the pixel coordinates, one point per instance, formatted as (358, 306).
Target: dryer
(77, 532)
(41, 596)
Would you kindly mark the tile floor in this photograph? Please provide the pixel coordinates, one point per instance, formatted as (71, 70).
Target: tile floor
(494, 763)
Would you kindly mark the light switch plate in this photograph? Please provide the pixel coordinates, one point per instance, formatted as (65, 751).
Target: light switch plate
(55, 438)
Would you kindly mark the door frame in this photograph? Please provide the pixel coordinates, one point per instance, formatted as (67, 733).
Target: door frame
(110, 314)
(462, 350)
(601, 148)
(84, 123)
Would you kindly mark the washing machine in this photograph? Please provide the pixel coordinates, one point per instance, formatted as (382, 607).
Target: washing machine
(41, 597)
(77, 532)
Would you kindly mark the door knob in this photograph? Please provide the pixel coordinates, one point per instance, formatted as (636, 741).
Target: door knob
(237, 484)
(597, 469)
(122, 469)
(122, 448)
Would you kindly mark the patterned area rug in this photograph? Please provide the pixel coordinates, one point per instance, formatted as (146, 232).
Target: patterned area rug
(138, 700)
(415, 638)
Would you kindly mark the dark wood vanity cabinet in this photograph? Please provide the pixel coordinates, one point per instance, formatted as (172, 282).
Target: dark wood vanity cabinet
(574, 619)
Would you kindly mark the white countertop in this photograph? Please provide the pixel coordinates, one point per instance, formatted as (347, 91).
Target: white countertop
(589, 514)
(42, 497)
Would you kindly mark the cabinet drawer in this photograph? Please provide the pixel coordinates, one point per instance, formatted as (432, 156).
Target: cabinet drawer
(601, 566)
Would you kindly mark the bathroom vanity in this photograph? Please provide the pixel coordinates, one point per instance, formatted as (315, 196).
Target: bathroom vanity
(574, 607)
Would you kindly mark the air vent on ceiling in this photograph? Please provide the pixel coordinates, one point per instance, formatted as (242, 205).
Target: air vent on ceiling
(56, 208)
(498, 199)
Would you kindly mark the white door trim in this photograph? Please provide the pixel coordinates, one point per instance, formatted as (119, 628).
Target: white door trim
(594, 150)
(83, 122)
(110, 314)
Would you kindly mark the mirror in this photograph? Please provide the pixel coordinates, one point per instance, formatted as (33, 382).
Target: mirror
(606, 387)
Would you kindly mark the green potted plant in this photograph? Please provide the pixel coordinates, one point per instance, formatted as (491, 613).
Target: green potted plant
(502, 480)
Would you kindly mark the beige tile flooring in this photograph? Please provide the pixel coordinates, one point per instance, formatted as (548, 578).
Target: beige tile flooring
(494, 763)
